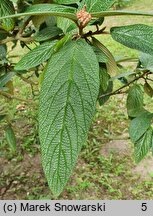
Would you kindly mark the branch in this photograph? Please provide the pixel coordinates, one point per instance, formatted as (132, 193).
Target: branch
(11, 39)
(9, 96)
(19, 34)
(21, 30)
(97, 32)
(118, 91)
(150, 79)
(27, 80)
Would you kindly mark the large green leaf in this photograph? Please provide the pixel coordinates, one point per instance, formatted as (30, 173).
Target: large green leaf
(139, 125)
(36, 56)
(47, 9)
(67, 105)
(135, 100)
(7, 8)
(137, 36)
(143, 145)
(97, 5)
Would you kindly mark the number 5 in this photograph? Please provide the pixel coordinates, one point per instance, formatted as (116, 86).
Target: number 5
(144, 207)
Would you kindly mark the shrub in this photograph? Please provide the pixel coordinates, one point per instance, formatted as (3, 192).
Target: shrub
(77, 74)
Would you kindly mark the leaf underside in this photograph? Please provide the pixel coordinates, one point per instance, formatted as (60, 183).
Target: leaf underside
(136, 36)
(67, 105)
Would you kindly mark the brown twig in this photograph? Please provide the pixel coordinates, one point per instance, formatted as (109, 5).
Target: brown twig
(118, 91)
(21, 30)
(27, 80)
(9, 96)
(97, 32)
(11, 39)
(149, 79)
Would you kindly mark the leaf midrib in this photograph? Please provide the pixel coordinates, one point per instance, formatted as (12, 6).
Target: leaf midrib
(70, 81)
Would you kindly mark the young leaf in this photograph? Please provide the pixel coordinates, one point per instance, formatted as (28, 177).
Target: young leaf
(7, 8)
(47, 33)
(36, 56)
(137, 36)
(147, 61)
(111, 64)
(102, 58)
(148, 89)
(139, 125)
(97, 5)
(143, 145)
(67, 105)
(135, 100)
(10, 137)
